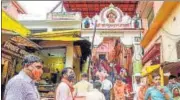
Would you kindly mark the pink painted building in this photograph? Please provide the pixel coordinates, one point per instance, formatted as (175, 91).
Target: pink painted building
(161, 24)
(13, 8)
(147, 11)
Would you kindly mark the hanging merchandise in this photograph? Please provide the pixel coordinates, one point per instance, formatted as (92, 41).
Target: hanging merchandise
(150, 69)
(137, 66)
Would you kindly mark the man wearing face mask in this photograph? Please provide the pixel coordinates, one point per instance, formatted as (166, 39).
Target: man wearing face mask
(22, 86)
(173, 82)
(157, 92)
(65, 89)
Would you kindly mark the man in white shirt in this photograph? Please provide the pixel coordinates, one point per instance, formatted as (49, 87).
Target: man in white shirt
(65, 89)
(95, 93)
(106, 87)
(83, 86)
(22, 86)
(136, 85)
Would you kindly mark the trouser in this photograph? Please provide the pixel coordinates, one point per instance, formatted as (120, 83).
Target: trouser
(106, 94)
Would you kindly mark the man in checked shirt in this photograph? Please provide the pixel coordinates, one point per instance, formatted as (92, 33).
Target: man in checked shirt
(22, 86)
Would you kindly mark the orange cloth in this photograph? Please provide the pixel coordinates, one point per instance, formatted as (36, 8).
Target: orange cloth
(142, 92)
(120, 89)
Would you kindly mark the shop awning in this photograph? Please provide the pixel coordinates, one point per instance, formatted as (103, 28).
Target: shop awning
(150, 69)
(158, 21)
(22, 41)
(57, 33)
(10, 24)
(65, 35)
(171, 66)
(153, 51)
(59, 38)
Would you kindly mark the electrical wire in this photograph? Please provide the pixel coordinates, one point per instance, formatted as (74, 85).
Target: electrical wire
(171, 36)
(169, 32)
(173, 48)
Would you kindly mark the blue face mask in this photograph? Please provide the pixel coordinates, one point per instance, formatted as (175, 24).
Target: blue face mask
(71, 77)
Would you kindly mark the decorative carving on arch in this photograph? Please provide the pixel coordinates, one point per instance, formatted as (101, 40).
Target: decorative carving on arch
(111, 14)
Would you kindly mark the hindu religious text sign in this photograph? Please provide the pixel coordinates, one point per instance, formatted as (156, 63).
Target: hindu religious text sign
(15, 49)
(64, 16)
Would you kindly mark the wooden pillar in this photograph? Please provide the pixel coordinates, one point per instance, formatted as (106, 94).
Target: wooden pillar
(162, 76)
(69, 55)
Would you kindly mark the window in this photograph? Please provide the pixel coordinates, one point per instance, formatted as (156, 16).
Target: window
(5, 4)
(62, 29)
(5, 7)
(86, 38)
(137, 39)
(38, 30)
(150, 17)
(102, 56)
(95, 46)
(57, 29)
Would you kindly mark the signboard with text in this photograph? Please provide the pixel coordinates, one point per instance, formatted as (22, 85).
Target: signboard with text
(111, 18)
(110, 34)
(113, 26)
(13, 49)
(64, 16)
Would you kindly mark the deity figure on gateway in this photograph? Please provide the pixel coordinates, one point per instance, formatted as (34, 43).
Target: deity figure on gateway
(111, 16)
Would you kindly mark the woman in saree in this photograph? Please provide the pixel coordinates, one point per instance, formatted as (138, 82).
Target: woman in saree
(120, 89)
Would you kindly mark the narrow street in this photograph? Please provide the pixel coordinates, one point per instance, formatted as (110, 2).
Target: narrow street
(90, 50)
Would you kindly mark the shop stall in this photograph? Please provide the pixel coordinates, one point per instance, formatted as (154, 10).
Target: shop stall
(164, 69)
(13, 46)
(172, 68)
(150, 69)
(53, 43)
